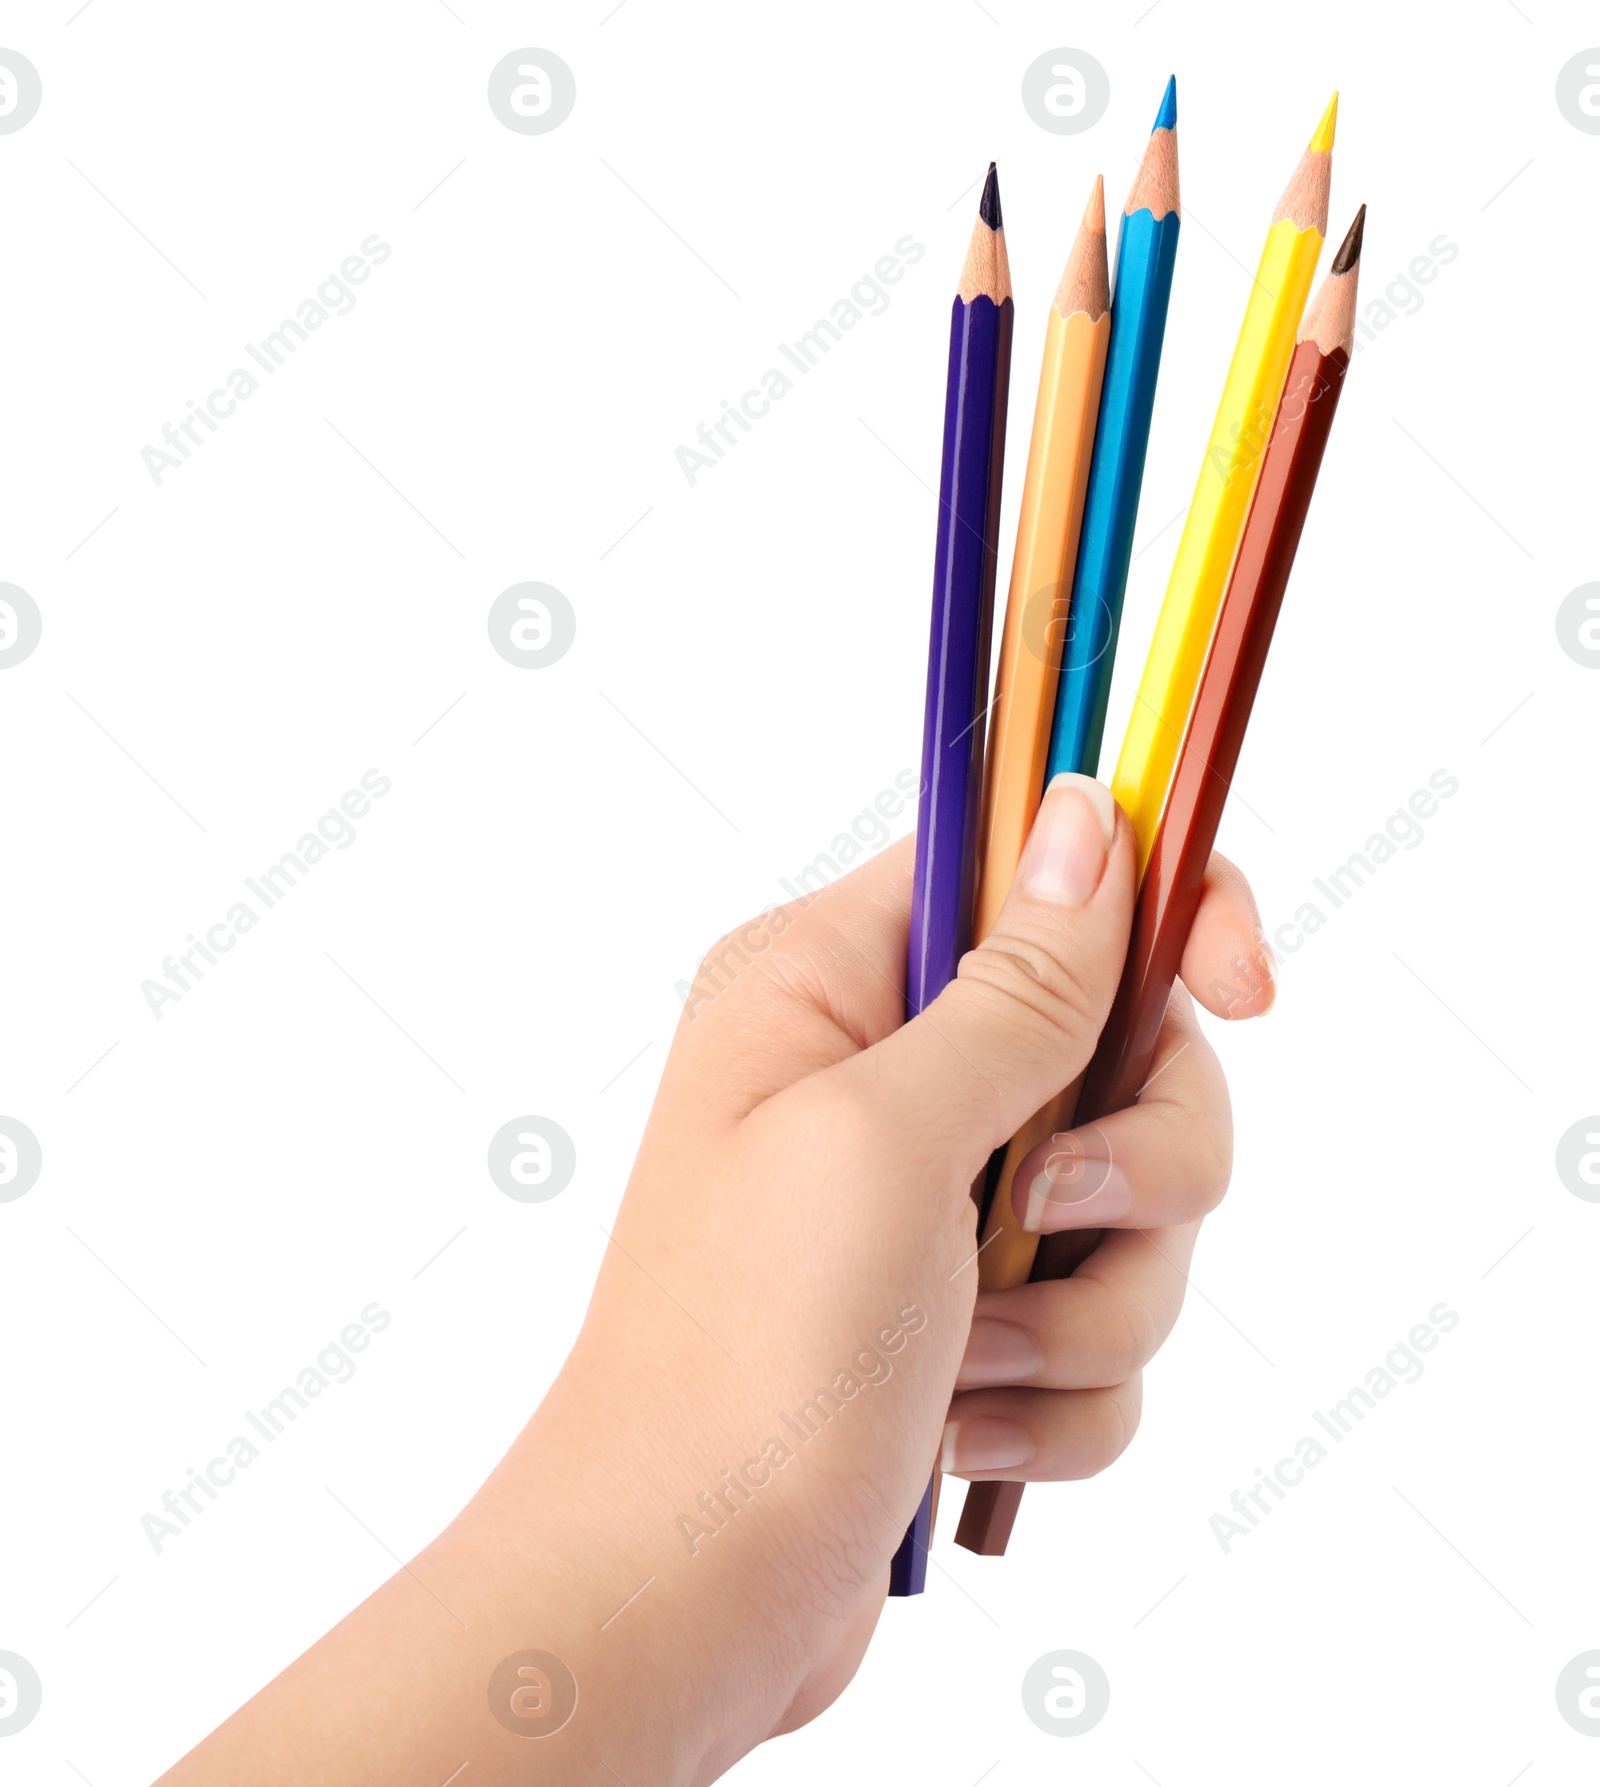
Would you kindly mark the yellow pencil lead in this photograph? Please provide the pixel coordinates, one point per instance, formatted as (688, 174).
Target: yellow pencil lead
(1322, 136)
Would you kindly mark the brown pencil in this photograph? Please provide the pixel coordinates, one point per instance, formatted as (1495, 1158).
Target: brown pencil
(1169, 894)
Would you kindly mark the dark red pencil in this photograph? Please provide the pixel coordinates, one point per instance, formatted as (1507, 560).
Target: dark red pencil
(1170, 891)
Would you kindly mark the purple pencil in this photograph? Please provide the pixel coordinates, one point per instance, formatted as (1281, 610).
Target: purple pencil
(958, 662)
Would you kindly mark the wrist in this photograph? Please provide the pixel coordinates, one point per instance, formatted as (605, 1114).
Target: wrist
(653, 1639)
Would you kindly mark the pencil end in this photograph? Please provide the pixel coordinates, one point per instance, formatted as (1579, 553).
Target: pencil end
(987, 1517)
(1094, 214)
(989, 204)
(1322, 137)
(1167, 117)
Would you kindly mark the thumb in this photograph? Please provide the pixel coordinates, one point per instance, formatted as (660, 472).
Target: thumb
(1022, 1016)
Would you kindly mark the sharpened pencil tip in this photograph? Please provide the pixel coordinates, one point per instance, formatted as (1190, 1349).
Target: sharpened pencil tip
(1085, 280)
(1094, 216)
(1155, 186)
(1322, 137)
(1330, 317)
(984, 273)
(1350, 248)
(989, 204)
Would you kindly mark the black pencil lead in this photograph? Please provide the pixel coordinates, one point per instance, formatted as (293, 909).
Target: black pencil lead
(989, 204)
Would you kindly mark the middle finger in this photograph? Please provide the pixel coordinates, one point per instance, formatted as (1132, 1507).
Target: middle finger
(1087, 1332)
(1163, 1161)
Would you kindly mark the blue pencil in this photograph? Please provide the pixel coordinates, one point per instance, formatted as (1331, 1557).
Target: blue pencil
(1147, 249)
(958, 662)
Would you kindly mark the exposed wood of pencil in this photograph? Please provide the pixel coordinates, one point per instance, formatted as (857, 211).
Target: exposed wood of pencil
(1305, 198)
(1330, 318)
(1170, 893)
(1155, 186)
(1086, 279)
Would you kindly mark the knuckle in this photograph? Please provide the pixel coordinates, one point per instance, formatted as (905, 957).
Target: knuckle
(1107, 1334)
(1141, 1334)
(1031, 974)
(732, 956)
(1119, 1411)
(831, 1106)
(838, 1123)
(1212, 1168)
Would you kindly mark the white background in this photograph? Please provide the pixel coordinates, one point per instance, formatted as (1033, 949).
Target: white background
(304, 1131)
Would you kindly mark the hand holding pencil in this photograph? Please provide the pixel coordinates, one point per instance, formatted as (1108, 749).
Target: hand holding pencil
(768, 1383)
(699, 1518)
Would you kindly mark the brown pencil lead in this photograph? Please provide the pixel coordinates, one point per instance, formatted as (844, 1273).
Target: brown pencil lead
(1350, 248)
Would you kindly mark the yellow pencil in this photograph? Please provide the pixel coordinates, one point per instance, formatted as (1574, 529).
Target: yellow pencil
(1064, 415)
(1222, 495)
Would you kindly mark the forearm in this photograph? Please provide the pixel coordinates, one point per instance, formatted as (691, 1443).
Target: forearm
(422, 1678)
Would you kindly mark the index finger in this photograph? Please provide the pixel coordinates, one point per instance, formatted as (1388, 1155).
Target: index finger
(1226, 962)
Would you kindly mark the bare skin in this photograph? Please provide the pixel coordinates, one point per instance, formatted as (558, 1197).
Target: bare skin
(798, 1221)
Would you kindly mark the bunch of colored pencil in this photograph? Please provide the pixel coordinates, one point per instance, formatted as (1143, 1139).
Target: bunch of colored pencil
(1080, 500)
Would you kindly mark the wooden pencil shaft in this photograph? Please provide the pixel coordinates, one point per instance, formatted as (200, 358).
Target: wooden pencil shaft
(1041, 575)
(959, 643)
(1170, 893)
(987, 1517)
(1146, 255)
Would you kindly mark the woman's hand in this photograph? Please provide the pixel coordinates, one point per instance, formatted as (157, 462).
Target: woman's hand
(765, 1374)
